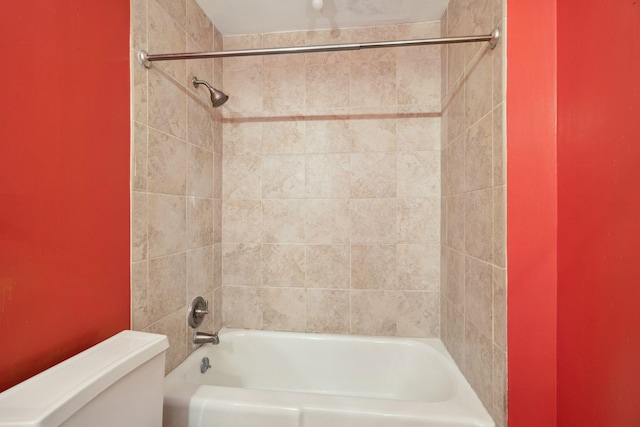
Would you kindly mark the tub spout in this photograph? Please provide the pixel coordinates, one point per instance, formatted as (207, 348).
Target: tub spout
(204, 338)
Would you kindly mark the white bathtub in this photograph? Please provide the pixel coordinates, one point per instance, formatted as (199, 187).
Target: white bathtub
(282, 379)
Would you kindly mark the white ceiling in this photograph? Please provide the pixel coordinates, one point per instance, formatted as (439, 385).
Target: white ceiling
(234, 17)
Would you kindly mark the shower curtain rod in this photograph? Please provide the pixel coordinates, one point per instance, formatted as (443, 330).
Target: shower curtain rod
(146, 59)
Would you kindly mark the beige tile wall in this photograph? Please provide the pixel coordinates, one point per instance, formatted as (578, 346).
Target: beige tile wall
(473, 303)
(176, 174)
(331, 185)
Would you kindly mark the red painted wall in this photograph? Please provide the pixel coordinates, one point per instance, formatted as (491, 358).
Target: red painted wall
(598, 213)
(531, 212)
(574, 294)
(64, 180)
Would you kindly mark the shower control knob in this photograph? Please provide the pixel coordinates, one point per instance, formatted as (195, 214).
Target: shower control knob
(196, 311)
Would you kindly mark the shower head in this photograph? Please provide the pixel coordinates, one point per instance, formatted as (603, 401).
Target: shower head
(218, 97)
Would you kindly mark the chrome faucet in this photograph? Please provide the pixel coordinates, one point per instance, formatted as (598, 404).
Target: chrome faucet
(204, 338)
(198, 308)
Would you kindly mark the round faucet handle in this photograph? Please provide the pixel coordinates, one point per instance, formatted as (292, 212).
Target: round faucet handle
(198, 308)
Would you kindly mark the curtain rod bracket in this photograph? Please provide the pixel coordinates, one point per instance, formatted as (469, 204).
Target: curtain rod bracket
(143, 59)
(495, 37)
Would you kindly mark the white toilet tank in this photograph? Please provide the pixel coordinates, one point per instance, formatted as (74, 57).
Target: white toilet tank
(116, 383)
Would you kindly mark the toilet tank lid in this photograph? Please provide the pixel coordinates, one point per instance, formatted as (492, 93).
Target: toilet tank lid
(64, 388)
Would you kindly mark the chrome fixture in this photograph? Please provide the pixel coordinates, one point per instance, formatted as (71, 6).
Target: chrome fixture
(198, 308)
(218, 97)
(204, 365)
(205, 338)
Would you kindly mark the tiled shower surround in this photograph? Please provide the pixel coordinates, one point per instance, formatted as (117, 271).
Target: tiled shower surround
(473, 303)
(176, 174)
(314, 199)
(331, 185)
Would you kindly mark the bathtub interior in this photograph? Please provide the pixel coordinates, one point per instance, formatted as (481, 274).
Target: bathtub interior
(328, 364)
